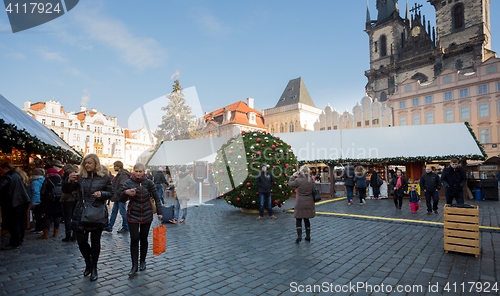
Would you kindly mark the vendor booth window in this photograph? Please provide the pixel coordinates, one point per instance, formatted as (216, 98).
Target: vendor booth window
(429, 118)
(464, 113)
(402, 120)
(416, 119)
(482, 89)
(464, 93)
(484, 136)
(448, 96)
(448, 115)
(428, 100)
(483, 110)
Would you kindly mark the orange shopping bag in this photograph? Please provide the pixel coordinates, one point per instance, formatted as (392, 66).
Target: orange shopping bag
(159, 239)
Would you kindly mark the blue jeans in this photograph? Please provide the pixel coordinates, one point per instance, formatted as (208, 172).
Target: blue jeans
(350, 192)
(122, 207)
(267, 197)
(160, 193)
(177, 210)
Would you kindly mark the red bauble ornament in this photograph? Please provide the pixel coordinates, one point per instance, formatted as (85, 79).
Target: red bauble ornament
(238, 199)
(243, 132)
(259, 140)
(241, 148)
(256, 193)
(240, 169)
(220, 171)
(275, 183)
(249, 197)
(275, 201)
(273, 147)
(230, 152)
(262, 145)
(273, 166)
(278, 138)
(248, 184)
(259, 153)
(295, 191)
(279, 205)
(289, 146)
(286, 193)
(253, 162)
(274, 154)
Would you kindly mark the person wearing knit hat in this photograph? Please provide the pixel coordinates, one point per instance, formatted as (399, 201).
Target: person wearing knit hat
(68, 202)
(37, 177)
(265, 181)
(57, 164)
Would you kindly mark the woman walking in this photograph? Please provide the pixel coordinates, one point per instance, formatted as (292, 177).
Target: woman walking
(138, 189)
(375, 183)
(304, 201)
(399, 185)
(68, 202)
(360, 181)
(50, 206)
(92, 186)
(183, 184)
(37, 178)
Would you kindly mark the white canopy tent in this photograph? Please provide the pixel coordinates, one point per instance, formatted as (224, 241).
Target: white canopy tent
(13, 115)
(429, 141)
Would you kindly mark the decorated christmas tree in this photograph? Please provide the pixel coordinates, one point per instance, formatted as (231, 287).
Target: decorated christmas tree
(239, 161)
(178, 121)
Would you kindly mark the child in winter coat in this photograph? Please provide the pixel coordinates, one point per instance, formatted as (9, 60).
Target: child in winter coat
(414, 199)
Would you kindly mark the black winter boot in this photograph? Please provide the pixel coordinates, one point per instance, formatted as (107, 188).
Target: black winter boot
(88, 266)
(93, 274)
(308, 234)
(133, 271)
(299, 235)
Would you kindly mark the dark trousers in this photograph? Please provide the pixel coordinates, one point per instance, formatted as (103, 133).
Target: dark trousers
(434, 197)
(68, 208)
(398, 199)
(138, 233)
(38, 217)
(17, 224)
(298, 223)
(361, 194)
(90, 252)
(376, 192)
(48, 218)
(458, 196)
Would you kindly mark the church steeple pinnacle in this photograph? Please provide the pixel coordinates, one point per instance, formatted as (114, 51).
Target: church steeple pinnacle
(368, 18)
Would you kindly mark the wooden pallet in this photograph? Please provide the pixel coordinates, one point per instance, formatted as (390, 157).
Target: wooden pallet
(461, 230)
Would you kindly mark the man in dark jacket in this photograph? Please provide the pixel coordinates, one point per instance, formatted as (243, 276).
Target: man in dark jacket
(15, 201)
(117, 183)
(430, 184)
(160, 181)
(454, 178)
(348, 177)
(265, 182)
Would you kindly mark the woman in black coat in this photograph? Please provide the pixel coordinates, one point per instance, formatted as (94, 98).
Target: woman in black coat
(375, 183)
(400, 186)
(94, 186)
(137, 189)
(50, 206)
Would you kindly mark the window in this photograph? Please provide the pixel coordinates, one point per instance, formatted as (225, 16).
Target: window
(483, 110)
(62, 136)
(458, 16)
(291, 128)
(448, 96)
(43, 121)
(459, 64)
(334, 127)
(491, 69)
(416, 119)
(329, 128)
(62, 123)
(407, 88)
(415, 102)
(53, 122)
(464, 113)
(358, 124)
(484, 136)
(383, 97)
(375, 121)
(428, 100)
(88, 127)
(376, 46)
(447, 79)
(482, 89)
(402, 121)
(383, 46)
(498, 107)
(498, 86)
(448, 115)
(464, 93)
(402, 104)
(367, 122)
(76, 125)
(429, 118)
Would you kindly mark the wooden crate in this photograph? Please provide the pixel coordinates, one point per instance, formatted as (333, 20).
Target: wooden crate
(461, 230)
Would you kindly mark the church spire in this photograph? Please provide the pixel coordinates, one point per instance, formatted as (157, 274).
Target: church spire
(368, 19)
(407, 16)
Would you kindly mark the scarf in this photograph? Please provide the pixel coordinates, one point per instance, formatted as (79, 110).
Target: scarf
(398, 183)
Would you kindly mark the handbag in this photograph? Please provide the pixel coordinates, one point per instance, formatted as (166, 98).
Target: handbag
(153, 204)
(159, 239)
(94, 216)
(316, 195)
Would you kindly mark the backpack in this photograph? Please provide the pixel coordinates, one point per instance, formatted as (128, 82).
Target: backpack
(56, 192)
(380, 182)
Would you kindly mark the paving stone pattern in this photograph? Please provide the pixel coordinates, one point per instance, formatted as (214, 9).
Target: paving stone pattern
(221, 251)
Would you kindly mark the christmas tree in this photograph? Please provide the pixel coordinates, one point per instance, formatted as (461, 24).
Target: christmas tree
(178, 122)
(239, 161)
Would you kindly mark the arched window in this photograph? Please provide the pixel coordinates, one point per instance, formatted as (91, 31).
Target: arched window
(383, 46)
(383, 96)
(458, 16)
(272, 129)
(291, 127)
(282, 128)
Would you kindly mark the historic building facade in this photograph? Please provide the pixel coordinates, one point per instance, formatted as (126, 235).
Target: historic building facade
(455, 96)
(366, 114)
(90, 131)
(294, 112)
(231, 120)
(409, 48)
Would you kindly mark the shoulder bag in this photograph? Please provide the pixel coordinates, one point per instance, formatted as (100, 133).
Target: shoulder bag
(94, 215)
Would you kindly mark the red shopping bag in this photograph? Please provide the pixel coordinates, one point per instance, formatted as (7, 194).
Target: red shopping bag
(159, 239)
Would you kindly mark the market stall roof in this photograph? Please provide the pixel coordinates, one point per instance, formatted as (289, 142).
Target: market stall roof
(385, 144)
(15, 116)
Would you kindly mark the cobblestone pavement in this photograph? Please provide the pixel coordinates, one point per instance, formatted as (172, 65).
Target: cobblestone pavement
(221, 251)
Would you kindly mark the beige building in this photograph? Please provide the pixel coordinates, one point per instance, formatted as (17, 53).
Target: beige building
(366, 114)
(294, 112)
(455, 96)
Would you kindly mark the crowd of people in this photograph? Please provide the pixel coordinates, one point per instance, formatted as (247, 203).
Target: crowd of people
(58, 194)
